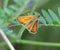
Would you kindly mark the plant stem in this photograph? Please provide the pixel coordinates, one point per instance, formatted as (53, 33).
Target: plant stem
(21, 32)
(34, 43)
(39, 43)
(6, 40)
(49, 25)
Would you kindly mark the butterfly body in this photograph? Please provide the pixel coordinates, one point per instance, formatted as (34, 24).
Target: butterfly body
(29, 22)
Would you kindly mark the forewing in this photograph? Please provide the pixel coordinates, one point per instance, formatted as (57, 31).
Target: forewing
(24, 19)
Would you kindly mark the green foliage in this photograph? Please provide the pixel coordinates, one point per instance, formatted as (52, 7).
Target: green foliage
(13, 29)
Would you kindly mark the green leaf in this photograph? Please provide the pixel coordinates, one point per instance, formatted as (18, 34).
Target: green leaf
(1, 22)
(54, 16)
(20, 2)
(42, 20)
(59, 11)
(3, 18)
(9, 12)
(5, 4)
(13, 7)
(9, 33)
(47, 17)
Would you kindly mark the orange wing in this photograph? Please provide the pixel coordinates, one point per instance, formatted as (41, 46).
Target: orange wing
(24, 19)
(33, 28)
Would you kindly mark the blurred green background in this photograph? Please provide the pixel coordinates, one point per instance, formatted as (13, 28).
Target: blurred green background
(49, 32)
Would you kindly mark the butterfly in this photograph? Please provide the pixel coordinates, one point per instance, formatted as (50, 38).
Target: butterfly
(29, 22)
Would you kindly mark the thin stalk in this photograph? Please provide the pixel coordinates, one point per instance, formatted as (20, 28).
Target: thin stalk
(49, 25)
(34, 43)
(21, 32)
(39, 43)
(40, 24)
(6, 40)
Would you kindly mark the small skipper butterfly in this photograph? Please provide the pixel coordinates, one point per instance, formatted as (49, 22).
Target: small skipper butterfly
(29, 22)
